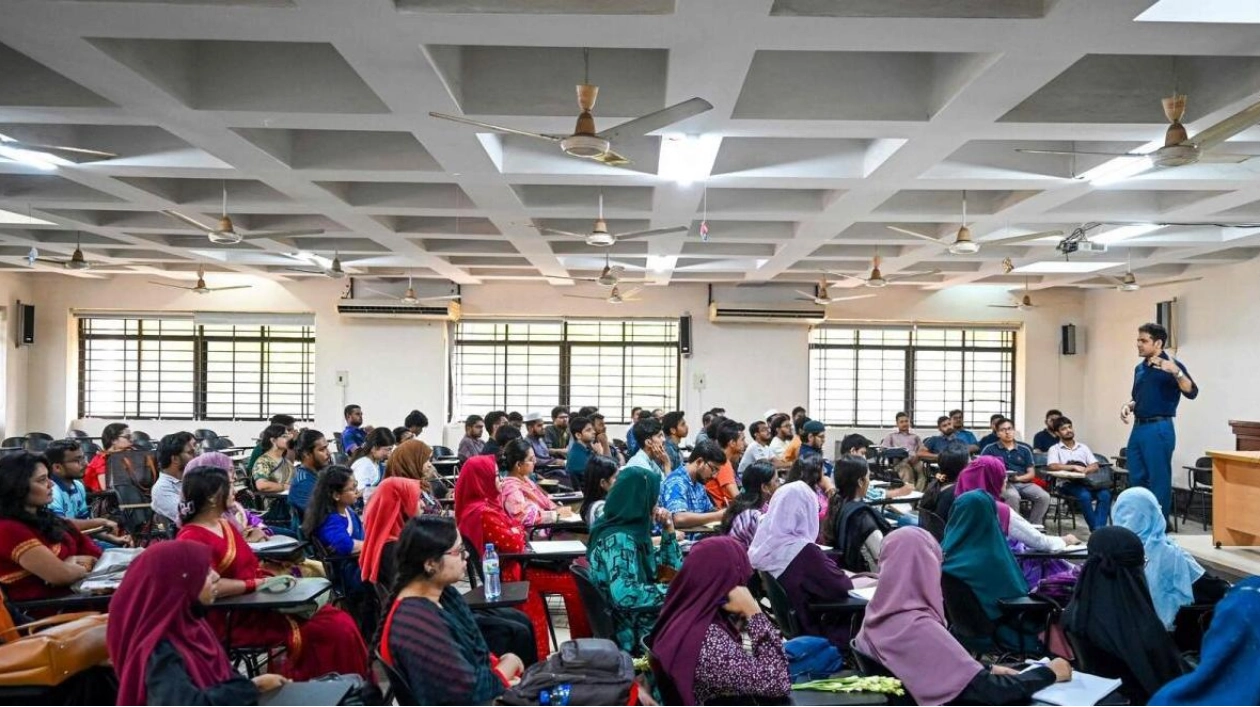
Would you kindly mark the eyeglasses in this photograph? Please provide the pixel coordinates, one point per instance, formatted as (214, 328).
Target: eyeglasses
(460, 551)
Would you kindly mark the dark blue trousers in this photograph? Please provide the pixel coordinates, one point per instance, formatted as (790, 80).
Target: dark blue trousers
(1150, 454)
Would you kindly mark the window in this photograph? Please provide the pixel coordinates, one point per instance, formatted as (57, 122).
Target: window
(178, 369)
(528, 366)
(864, 377)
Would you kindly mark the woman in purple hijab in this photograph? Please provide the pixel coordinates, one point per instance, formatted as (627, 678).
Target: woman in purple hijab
(904, 630)
(699, 637)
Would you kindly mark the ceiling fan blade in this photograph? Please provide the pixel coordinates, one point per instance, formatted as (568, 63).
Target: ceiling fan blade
(498, 128)
(284, 234)
(1170, 282)
(916, 234)
(803, 293)
(80, 152)
(1005, 306)
(1115, 279)
(1180, 223)
(612, 159)
(52, 260)
(905, 275)
(382, 293)
(847, 276)
(436, 298)
(228, 287)
(1208, 138)
(601, 299)
(1224, 157)
(802, 299)
(651, 122)
(555, 232)
(308, 272)
(650, 233)
(846, 299)
(631, 293)
(166, 284)
(1026, 237)
(1072, 153)
(189, 220)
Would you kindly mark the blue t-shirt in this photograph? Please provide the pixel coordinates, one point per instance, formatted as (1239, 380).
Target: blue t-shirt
(1156, 393)
(352, 438)
(336, 536)
(808, 451)
(965, 436)
(988, 439)
(938, 443)
(674, 454)
(575, 462)
(1017, 460)
(301, 486)
(679, 494)
(69, 499)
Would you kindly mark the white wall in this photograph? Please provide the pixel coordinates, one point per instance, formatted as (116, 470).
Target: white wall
(14, 360)
(397, 365)
(1218, 324)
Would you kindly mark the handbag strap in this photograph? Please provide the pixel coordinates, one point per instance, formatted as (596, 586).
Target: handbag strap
(33, 626)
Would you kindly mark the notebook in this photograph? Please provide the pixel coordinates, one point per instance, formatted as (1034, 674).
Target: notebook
(558, 547)
(275, 542)
(867, 593)
(1082, 689)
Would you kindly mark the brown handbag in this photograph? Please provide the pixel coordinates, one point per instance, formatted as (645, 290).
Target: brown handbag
(48, 651)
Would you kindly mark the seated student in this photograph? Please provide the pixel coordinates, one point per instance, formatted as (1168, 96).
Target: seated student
(523, 499)
(163, 649)
(249, 523)
(332, 520)
(1070, 455)
(988, 474)
(326, 642)
(355, 433)
(651, 452)
(115, 438)
(909, 469)
(41, 555)
(813, 437)
(683, 493)
(674, 425)
(1173, 577)
(383, 520)
(69, 497)
(785, 547)
(976, 554)
(858, 446)
(992, 437)
(961, 433)
(174, 452)
(1226, 673)
(723, 487)
(939, 495)
(740, 519)
(932, 446)
(429, 634)
(600, 474)
(369, 461)
(811, 471)
(580, 450)
(285, 421)
(402, 434)
(1020, 467)
(273, 470)
(415, 422)
(1047, 438)
(855, 529)
(708, 618)
(557, 433)
(471, 444)
(311, 450)
(904, 629)
(1114, 622)
(411, 460)
(623, 560)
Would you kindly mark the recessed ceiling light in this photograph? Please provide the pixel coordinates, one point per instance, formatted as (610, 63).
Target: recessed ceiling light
(12, 218)
(1052, 267)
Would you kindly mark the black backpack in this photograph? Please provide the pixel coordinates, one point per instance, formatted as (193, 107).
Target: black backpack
(594, 669)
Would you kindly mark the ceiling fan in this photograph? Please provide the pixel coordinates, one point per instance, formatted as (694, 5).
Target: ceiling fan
(1023, 304)
(963, 243)
(1179, 150)
(409, 297)
(613, 297)
(877, 279)
(226, 233)
(609, 276)
(76, 262)
(585, 142)
(1129, 282)
(822, 299)
(20, 151)
(200, 288)
(600, 237)
(334, 270)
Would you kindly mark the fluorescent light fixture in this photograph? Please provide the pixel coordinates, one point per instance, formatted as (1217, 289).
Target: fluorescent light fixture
(1232, 11)
(661, 263)
(1059, 267)
(30, 158)
(1122, 233)
(15, 219)
(1116, 170)
(687, 158)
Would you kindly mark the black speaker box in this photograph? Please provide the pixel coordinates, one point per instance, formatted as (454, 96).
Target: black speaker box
(684, 335)
(1067, 340)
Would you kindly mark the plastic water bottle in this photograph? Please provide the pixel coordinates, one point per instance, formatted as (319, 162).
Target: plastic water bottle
(490, 568)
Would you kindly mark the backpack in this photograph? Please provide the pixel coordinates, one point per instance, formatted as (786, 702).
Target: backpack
(594, 669)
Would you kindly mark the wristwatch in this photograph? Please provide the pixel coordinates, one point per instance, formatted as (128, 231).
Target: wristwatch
(1179, 374)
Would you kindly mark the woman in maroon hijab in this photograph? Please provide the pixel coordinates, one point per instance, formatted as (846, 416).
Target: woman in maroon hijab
(163, 651)
(698, 638)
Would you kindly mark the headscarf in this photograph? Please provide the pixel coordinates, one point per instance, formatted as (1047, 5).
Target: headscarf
(628, 509)
(155, 603)
(393, 502)
(1170, 571)
(218, 460)
(976, 552)
(904, 628)
(1226, 674)
(1111, 609)
(408, 460)
(989, 475)
(476, 491)
(694, 602)
(790, 523)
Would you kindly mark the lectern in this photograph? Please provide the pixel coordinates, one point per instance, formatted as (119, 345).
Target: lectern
(1235, 498)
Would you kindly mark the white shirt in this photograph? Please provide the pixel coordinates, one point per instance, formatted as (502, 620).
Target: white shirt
(1021, 530)
(755, 453)
(368, 475)
(1080, 454)
(777, 446)
(164, 497)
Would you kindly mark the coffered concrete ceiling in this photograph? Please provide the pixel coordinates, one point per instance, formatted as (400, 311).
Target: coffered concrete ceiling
(832, 120)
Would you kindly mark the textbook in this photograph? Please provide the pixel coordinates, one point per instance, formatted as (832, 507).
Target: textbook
(1082, 689)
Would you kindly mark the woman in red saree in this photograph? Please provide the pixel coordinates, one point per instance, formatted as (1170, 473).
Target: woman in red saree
(481, 518)
(327, 642)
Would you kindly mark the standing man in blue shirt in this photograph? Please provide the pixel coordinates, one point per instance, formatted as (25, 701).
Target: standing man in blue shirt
(1159, 382)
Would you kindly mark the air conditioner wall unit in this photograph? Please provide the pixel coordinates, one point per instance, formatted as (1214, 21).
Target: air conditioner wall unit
(765, 314)
(387, 309)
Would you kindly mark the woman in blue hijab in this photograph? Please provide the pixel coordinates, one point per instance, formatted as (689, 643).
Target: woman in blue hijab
(1226, 674)
(1170, 571)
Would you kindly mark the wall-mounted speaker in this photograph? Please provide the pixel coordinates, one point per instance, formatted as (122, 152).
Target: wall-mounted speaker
(1067, 340)
(684, 335)
(25, 324)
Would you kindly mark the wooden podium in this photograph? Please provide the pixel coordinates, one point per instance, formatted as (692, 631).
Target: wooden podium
(1235, 498)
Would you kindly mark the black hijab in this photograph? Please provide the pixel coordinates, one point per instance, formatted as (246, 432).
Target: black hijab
(1112, 612)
